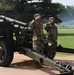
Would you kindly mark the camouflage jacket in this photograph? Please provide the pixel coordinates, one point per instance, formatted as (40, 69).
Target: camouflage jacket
(52, 32)
(37, 30)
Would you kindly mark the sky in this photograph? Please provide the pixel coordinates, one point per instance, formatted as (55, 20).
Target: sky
(65, 2)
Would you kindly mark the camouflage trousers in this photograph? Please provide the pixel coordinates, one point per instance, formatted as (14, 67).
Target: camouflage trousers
(51, 50)
(38, 45)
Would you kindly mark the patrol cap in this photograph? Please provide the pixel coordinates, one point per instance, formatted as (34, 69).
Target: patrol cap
(51, 18)
(35, 15)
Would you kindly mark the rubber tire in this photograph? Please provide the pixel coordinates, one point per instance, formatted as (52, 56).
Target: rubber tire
(8, 54)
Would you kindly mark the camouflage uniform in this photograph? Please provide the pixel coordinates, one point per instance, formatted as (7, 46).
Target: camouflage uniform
(52, 37)
(38, 36)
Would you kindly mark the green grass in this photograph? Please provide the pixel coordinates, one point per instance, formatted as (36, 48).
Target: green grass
(63, 54)
(67, 37)
(66, 31)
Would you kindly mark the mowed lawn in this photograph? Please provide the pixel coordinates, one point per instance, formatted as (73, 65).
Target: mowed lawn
(66, 37)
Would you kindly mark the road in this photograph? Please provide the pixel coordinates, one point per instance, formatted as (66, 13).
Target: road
(23, 65)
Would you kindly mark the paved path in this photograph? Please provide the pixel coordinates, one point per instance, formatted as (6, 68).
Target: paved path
(23, 65)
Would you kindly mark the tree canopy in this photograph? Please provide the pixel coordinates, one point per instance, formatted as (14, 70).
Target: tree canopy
(24, 10)
(68, 14)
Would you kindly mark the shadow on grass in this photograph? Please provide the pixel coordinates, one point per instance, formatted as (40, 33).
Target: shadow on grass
(66, 50)
(65, 34)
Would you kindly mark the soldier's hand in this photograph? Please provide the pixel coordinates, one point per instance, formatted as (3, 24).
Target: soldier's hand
(51, 22)
(32, 21)
(38, 18)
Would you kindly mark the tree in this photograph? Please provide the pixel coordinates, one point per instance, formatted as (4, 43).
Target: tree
(45, 8)
(6, 7)
(24, 11)
(68, 14)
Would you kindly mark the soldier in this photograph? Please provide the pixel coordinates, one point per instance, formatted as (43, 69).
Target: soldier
(52, 38)
(38, 36)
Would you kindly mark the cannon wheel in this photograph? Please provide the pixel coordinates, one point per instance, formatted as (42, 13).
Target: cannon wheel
(6, 54)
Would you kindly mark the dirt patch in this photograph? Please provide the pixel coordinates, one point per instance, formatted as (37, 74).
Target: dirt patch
(23, 65)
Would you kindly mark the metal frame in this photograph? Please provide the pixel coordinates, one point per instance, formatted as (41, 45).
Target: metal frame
(44, 60)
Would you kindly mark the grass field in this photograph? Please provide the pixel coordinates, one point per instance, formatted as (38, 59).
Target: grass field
(60, 54)
(66, 37)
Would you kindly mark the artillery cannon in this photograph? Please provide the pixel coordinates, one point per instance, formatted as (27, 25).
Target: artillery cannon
(16, 36)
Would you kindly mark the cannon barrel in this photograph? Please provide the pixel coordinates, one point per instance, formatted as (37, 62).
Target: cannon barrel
(4, 18)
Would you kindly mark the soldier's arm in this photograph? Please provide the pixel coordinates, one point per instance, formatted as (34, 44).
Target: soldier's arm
(56, 33)
(47, 27)
(31, 24)
(44, 25)
(44, 31)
